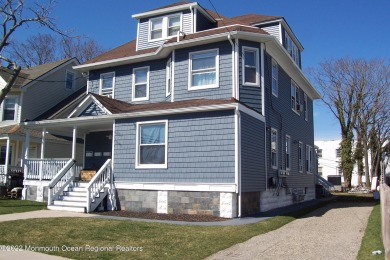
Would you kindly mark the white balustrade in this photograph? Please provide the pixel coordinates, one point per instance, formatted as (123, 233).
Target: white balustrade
(60, 181)
(43, 169)
(98, 182)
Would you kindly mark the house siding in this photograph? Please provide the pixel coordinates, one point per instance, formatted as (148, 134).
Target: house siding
(274, 30)
(224, 90)
(280, 116)
(124, 81)
(202, 23)
(48, 93)
(250, 95)
(200, 149)
(253, 175)
(143, 32)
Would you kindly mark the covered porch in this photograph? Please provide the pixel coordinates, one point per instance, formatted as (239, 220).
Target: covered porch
(50, 178)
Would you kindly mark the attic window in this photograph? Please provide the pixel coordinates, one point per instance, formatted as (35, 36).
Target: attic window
(164, 27)
(69, 81)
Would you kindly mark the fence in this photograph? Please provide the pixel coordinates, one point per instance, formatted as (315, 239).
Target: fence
(385, 212)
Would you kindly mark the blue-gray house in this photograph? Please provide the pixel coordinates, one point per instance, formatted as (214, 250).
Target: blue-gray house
(200, 114)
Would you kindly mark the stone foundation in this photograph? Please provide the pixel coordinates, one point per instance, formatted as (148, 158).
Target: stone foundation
(270, 200)
(36, 193)
(179, 202)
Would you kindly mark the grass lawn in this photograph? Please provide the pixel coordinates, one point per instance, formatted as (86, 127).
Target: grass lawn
(8, 206)
(372, 240)
(105, 239)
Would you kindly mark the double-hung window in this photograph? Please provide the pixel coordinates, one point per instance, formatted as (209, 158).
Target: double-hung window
(107, 82)
(274, 148)
(274, 78)
(203, 70)
(152, 144)
(164, 27)
(288, 152)
(250, 66)
(9, 109)
(140, 84)
(295, 102)
(309, 159)
(69, 80)
(300, 157)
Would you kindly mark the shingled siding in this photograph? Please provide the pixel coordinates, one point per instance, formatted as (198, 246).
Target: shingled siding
(200, 149)
(250, 95)
(253, 177)
(123, 81)
(143, 30)
(280, 116)
(224, 90)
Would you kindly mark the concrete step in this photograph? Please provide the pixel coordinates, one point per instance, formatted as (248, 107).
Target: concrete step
(71, 203)
(73, 198)
(81, 184)
(67, 208)
(75, 193)
(78, 189)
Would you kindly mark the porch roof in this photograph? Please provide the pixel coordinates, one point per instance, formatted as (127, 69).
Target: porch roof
(18, 132)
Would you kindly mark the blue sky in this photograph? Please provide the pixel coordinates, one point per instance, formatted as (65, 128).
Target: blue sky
(327, 29)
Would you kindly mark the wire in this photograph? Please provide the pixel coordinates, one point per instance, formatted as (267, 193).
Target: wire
(38, 80)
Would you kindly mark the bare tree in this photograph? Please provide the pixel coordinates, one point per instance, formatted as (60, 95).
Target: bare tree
(16, 14)
(36, 50)
(356, 92)
(81, 48)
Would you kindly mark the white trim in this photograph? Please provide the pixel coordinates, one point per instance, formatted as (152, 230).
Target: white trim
(256, 50)
(137, 152)
(233, 69)
(301, 162)
(173, 76)
(305, 107)
(262, 46)
(167, 186)
(194, 19)
(16, 109)
(309, 158)
(216, 84)
(288, 148)
(236, 150)
(84, 104)
(101, 82)
(168, 79)
(112, 147)
(251, 112)
(133, 98)
(296, 97)
(236, 67)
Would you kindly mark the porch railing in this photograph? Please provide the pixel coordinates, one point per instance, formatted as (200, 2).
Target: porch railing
(11, 170)
(98, 182)
(60, 181)
(43, 169)
(324, 183)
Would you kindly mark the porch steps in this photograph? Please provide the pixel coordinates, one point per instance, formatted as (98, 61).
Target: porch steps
(73, 199)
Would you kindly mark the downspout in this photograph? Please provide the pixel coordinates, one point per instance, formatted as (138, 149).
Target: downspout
(173, 77)
(236, 67)
(263, 112)
(237, 138)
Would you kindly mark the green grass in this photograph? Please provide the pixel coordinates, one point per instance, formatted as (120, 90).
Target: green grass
(157, 240)
(8, 206)
(372, 240)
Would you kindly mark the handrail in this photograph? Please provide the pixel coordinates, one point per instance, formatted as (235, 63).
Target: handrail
(323, 182)
(60, 181)
(98, 182)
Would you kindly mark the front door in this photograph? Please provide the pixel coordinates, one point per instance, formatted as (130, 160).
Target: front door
(98, 149)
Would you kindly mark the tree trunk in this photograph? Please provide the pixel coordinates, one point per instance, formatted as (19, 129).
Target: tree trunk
(367, 169)
(10, 83)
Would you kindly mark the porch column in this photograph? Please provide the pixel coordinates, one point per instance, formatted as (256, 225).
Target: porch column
(43, 141)
(74, 142)
(25, 157)
(7, 159)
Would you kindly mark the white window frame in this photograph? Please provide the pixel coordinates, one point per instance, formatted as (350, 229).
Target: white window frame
(164, 27)
(138, 143)
(168, 77)
(275, 88)
(257, 67)
(309, 159)
(68, 72)
(288, 152)
(133, 98)
(305, 108)
(300, 157)
(101, 84)
(274, 148)
(216, 85)
(2, 107)
(295, 96)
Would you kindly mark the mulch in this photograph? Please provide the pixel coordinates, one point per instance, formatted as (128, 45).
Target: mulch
(158, 216)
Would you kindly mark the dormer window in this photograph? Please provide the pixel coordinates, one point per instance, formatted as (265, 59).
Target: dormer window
(9, 109)
(164, 27)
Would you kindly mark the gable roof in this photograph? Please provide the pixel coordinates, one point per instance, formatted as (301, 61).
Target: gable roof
(29, 75)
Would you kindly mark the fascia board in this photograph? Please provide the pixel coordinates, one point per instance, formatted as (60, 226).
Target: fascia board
(164, 10)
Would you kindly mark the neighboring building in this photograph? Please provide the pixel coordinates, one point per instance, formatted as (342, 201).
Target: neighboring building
(329, 156)
(200, 114)
(36, 90)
